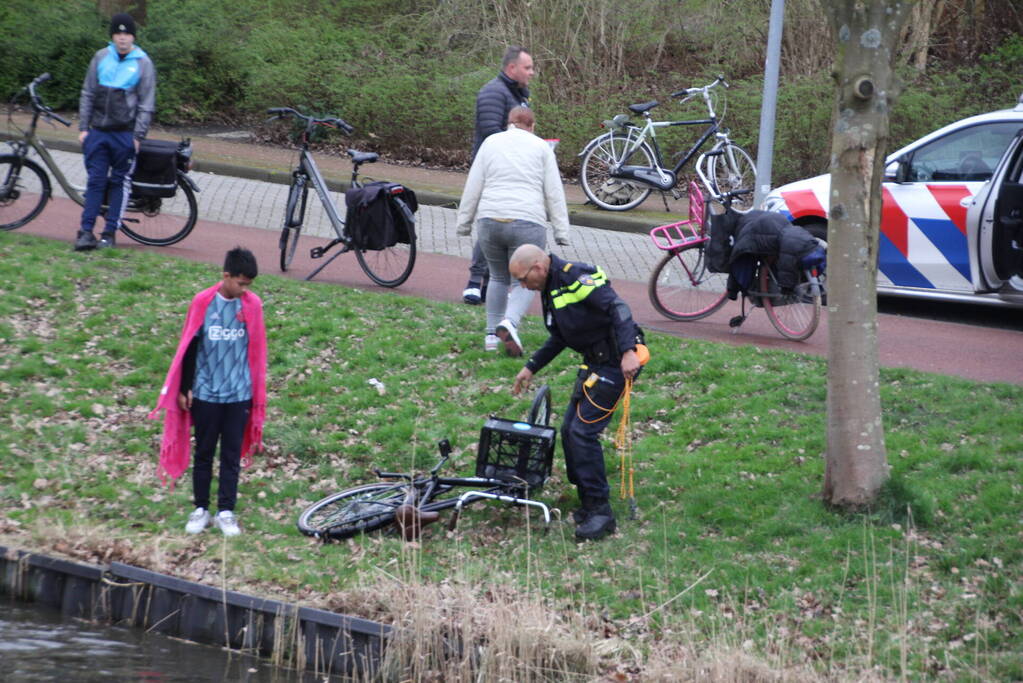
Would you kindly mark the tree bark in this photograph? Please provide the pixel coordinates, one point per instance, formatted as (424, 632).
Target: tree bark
(867, 36)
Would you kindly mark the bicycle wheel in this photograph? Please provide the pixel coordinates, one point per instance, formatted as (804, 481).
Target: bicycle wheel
(24, 189)
(540, 411)
(364, 508)
(681, 287)
(294, 214)
(613, 194)
(735, 170)
(794, 314)
(388, 267)
(161, 221)
(353, 511)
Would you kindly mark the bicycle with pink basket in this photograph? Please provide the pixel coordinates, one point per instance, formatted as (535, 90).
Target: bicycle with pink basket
(682, 286)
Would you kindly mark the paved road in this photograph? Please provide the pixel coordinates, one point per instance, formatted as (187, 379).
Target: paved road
(235, 210)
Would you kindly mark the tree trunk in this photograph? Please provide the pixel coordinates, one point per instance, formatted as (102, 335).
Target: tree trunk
(926, 16)
(867, 35)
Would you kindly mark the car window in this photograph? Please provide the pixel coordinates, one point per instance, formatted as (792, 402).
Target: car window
(970, 154)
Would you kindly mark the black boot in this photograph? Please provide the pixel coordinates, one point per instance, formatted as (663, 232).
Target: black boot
(600, 521)
(581, 513)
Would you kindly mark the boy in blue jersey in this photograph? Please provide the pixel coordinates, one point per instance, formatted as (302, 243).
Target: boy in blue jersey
(217, 382)
(114, 110)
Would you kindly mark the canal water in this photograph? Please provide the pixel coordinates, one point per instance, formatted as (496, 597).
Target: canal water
(39, 644)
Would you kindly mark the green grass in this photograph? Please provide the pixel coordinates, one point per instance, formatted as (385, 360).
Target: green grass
(728, 448)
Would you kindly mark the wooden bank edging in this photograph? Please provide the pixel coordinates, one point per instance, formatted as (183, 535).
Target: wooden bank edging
(321, 641)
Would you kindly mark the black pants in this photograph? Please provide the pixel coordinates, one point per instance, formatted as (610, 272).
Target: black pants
(223, 422)
(581, 428)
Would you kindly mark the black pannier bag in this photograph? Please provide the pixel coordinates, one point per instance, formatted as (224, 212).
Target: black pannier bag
(380, 215)
(155, 169)
(722, 235)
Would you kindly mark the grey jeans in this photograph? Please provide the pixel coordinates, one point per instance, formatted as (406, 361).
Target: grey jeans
(498, 240)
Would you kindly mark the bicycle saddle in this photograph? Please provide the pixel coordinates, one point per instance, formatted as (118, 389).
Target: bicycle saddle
(643, 107)
(363, 157)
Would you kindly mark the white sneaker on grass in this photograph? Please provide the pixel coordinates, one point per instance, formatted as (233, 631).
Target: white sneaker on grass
(197, 521)
(507, 333)
(490, 342)
(227, 523)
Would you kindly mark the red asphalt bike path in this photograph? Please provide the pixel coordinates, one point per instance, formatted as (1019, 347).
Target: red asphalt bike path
(979, 353)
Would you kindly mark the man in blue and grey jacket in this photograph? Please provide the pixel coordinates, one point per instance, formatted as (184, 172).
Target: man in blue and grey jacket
(115, 108)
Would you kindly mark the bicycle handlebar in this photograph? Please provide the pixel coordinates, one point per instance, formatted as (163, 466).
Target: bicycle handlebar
(37, 101)
(332, 122)
(689, 92)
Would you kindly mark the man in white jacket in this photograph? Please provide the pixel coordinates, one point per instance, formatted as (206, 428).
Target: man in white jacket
(512, 191)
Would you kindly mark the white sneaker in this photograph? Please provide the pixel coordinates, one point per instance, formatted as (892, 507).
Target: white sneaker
(227, 523)
(507, 333)
(197, 521)
(472, 295)
(490, 342)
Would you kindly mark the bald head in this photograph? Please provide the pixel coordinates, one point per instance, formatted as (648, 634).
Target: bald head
(530, 265)
(522, 117)
(526, 256)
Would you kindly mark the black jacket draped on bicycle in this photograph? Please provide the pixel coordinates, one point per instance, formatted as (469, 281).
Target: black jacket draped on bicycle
(737, 238)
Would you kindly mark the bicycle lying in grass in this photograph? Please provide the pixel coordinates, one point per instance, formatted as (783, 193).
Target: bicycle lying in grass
(388, 261)
(158, 213)
(514, 460)
(623, 166)
(683, 286)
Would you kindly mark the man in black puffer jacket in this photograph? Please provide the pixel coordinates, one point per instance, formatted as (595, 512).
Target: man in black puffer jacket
(509, 89)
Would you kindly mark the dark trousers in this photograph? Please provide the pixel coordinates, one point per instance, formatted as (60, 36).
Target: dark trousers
(479, 271)
(581, 428)
(109, 161)
(223, 422)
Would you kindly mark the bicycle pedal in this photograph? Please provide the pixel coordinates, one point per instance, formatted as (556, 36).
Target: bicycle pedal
(736, 321)
(317, 252)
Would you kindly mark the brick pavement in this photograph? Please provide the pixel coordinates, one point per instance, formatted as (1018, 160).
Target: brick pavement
(257, 204)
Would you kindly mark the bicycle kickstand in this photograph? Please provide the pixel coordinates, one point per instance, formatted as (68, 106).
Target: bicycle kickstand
(736, 321)
(319, 252)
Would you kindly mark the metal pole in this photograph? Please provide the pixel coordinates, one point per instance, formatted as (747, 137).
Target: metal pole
(765, 148)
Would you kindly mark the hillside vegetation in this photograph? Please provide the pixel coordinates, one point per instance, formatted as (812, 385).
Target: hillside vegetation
(405, 72)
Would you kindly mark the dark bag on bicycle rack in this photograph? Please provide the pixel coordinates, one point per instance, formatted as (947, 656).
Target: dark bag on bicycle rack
(156, 173)
(722, 236)
(380, 215)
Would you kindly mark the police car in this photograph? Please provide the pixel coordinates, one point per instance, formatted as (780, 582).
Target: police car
(952, 212)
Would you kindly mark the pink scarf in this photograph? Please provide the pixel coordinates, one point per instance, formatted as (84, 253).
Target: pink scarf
(175, 449)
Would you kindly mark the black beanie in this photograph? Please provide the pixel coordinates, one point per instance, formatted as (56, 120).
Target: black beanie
(122, 23)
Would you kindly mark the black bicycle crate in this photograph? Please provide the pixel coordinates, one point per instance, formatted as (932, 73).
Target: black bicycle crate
(156, 173)
(515, 451)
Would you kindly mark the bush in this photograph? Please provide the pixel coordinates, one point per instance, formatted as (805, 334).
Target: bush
(407, 81)
(201, 66)
(56, 37)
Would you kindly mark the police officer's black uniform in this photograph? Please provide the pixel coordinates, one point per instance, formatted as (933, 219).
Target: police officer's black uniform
(582, 312)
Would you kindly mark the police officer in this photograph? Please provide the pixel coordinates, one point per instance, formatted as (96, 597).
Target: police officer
(581, 311)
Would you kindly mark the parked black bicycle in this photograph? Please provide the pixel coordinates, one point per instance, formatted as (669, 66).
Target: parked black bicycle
(161, 209)
(383, 236)
(620, 168)
(513, 461)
